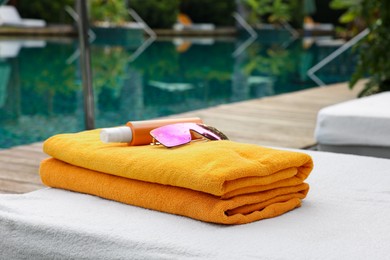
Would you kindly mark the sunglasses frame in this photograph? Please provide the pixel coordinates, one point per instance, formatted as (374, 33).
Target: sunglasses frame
(209, 133)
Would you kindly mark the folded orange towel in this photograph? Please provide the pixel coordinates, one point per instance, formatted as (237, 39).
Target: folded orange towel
(222, 168)
(198, 205)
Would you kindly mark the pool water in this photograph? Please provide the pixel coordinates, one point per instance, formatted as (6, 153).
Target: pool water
(41, 92)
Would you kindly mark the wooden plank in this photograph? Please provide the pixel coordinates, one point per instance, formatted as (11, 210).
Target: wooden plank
(19, 168)
(50, 30)
(21, 153)
(9, 158)
(20, 173)
(9, 186)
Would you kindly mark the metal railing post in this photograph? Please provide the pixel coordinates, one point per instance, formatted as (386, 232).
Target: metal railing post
(333, 55)
(85, 60)
(145, 26)
(147, 29)
(249, 29)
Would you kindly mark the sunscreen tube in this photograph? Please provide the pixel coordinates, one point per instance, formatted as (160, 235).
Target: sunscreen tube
(138, 132)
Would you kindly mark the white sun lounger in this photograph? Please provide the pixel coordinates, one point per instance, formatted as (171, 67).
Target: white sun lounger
(9, 16)
(185, 23)
(360, 126)
(345, 216)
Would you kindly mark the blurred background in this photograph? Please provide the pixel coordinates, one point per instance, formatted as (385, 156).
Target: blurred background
(156, 58)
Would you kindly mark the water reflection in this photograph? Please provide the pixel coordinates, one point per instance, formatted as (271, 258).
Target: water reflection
(41, 93)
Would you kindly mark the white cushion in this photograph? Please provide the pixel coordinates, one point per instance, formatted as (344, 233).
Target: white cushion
(10, 16)
(346, 215)
(33, 23)
(363, 121)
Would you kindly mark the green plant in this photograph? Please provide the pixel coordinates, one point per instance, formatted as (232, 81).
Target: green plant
(156, 13)
(112, 11)
(49, 10)
(351, 16)
(218, 12)
(273, 11)
(297, 13)
(374, 57)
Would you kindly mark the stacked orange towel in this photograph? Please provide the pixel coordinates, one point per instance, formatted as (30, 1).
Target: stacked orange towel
(220, 181)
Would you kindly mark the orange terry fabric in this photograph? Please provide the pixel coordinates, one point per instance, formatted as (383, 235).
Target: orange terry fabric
(218, 181)
(220, 168)
(175, 200)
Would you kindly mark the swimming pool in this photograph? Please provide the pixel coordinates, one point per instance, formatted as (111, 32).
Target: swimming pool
(41, 92)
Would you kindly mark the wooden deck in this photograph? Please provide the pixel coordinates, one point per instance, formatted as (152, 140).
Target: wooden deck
(58, 30)
(286, 120)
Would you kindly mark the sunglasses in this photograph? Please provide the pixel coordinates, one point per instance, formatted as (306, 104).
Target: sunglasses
(183, 133)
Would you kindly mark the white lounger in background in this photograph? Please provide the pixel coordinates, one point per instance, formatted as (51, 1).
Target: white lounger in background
(185, 23)
(360, 126)
(346, 215)
(9, 16)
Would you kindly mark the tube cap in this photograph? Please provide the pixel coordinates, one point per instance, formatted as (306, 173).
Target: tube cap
(122, 134)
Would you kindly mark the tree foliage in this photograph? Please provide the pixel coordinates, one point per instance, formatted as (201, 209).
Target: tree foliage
(218, 12)
(112, 11)
(156, 13)
(49, 10)
(374, 56)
